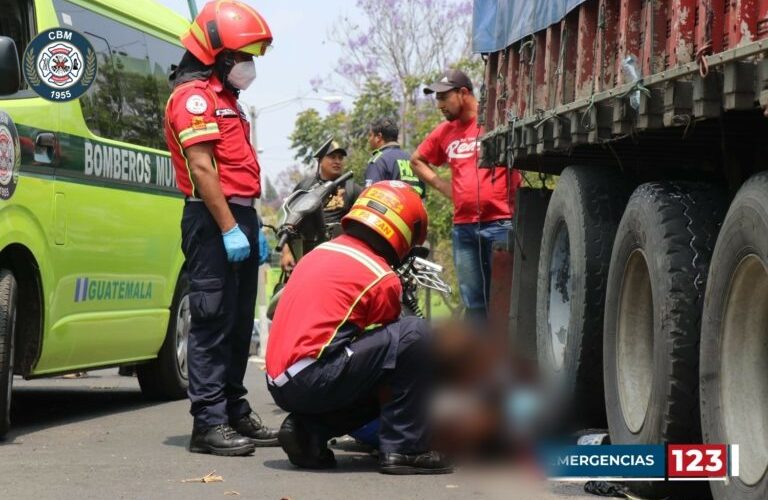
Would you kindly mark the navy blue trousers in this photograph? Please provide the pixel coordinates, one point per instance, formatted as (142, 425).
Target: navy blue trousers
(341, 392)
(222, 300)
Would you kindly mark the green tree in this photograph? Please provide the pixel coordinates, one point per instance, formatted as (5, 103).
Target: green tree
(349, 128)
(311, 130)
(374, 102)
(288, 178)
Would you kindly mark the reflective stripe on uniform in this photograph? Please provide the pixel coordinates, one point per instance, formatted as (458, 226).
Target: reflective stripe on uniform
(391, 216)
(407, 175)
(359, 256)
(191, 132)
(377, 269)
(199, 35)
(375, 156)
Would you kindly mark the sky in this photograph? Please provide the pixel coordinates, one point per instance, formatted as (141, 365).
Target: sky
(301, 51)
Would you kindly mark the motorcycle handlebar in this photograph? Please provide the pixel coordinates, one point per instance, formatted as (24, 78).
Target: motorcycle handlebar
(321, 190)
(282, 241)
(341, 179)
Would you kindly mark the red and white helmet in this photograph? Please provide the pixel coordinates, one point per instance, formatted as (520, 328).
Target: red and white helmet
(394, 211)
(227, 25)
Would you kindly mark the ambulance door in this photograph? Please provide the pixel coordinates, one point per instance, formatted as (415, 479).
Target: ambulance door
(120, 230)
(29, 128)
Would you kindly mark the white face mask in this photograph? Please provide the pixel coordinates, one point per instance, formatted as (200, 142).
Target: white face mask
(242, 74)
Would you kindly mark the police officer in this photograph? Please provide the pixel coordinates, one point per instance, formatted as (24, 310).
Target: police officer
(216, 168)
(329, 353)
(388, 161)
(330, 165)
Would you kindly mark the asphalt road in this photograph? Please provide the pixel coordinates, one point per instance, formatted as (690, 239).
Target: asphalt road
(96, 438)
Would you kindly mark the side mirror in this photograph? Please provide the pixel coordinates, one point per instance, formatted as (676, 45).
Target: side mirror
(9, 67)
(419, 251)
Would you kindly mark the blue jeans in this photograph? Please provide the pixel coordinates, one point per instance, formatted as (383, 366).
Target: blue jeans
(472, 245)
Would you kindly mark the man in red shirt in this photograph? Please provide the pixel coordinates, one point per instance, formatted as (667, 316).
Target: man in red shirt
(216, 168)
(482, 198)
(337, 339)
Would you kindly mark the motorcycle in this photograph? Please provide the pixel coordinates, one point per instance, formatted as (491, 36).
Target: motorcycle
(415, 272)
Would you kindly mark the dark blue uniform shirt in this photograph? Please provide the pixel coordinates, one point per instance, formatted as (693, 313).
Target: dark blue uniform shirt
(391, 163)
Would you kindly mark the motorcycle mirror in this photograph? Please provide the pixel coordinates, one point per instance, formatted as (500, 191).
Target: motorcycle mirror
(420, 251)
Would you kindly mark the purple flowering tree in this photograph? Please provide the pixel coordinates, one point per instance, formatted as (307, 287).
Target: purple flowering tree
(403, 42)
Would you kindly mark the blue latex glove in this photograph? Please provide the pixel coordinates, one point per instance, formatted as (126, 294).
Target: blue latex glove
(236, 244)
(263, 248)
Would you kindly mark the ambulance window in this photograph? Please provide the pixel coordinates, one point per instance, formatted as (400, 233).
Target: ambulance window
(126, 102)
(162, 56)
(18, 22)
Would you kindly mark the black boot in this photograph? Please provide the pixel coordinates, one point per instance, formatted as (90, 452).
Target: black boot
(304, 448)
(220, 440)
(430, 462)
(251, 427)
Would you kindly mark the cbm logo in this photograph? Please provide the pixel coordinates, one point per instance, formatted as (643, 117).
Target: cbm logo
(10, 156)
(59, 64)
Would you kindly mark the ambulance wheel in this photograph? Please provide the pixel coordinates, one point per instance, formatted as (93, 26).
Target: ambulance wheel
(8, 300)
(166, 377)
(734, 345)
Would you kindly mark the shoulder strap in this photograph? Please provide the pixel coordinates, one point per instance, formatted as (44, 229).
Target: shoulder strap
(375, 156)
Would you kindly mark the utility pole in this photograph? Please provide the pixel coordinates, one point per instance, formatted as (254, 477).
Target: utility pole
(254, 114)
(261, 301)
(192, 8)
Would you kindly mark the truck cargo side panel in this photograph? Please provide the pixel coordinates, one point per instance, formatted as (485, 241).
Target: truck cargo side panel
(585, 61)
(567, 78)
(513, 78)
(680, 44)
(607, 44)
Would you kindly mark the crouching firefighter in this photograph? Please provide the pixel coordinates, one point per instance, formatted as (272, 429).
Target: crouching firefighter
(337, 341)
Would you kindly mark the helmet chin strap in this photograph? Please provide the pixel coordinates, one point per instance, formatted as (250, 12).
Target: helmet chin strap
(223, 65)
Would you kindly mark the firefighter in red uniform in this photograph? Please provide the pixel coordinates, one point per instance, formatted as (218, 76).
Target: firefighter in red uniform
(216, 168)
(337, 339)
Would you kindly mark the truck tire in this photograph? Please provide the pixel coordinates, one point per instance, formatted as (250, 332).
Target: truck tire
(166, 376)
(654, 300)
(577, 237)
(734, 343)
(8, 302)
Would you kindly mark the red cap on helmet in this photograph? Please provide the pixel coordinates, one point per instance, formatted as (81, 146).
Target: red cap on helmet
(226, 25)
(394, 211)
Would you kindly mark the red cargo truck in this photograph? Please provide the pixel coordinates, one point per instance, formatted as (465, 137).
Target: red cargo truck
(650, 258)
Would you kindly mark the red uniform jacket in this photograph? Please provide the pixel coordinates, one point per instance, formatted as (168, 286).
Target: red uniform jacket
(335, 292)
(203, 110)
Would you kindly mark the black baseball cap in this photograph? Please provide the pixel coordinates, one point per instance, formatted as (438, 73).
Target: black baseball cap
(451, 79)
(330, 146)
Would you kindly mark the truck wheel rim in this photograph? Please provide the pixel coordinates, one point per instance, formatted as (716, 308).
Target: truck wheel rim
(183, 322)
(560, 294)
(634, 341)
(744, 367)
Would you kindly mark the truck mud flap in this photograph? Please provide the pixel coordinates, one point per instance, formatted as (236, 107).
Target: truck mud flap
(530, 210)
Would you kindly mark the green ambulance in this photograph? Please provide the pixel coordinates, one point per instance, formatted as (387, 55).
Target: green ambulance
(91, 271)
